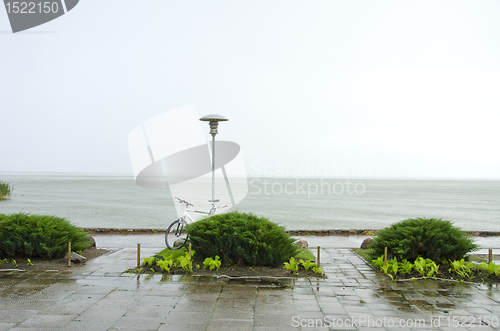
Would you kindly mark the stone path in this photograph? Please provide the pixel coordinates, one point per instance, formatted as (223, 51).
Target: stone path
(99, 296)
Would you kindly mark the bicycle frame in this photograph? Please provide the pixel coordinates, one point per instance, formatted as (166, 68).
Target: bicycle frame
(185, 219)
(186, 205)
(185, 216)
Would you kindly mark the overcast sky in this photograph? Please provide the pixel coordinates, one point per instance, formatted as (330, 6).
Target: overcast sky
(344, 88)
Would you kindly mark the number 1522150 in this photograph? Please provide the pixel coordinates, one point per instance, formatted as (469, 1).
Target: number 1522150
(32, 7)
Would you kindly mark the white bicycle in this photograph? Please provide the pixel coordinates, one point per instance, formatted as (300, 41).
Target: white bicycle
(176, 232)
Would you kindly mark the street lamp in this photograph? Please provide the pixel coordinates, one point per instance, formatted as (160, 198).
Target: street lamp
(213, 120)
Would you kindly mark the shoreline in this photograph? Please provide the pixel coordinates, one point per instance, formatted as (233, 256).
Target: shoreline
(352, 232)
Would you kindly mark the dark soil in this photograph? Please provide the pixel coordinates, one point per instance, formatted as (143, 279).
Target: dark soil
(56, 264)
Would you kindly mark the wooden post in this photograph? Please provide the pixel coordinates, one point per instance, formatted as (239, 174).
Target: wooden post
(318, 257)
(189, 248)
(490, 255)
(385, 257)
(69, 254)
(138, 255)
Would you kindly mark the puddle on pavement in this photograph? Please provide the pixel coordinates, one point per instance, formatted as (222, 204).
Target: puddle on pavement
(16, 287)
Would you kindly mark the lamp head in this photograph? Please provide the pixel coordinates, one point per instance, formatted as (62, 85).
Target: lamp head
(213, 120)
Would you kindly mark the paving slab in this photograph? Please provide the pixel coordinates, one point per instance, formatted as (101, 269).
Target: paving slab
(100, 296)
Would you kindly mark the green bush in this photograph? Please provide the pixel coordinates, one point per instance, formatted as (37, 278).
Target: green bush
(24, 235)
(5, 190)
(241, 238)
(432, 238)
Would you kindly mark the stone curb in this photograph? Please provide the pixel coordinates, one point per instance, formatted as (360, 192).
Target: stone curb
(352, 232)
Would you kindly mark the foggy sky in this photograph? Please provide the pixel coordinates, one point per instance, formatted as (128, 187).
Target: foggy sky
(336, 88)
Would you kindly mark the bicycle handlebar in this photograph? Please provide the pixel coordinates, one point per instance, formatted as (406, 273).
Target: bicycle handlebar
(190, 204)
(184, 201)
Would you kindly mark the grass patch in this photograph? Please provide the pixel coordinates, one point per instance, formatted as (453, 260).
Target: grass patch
(174, 253)
(304, 254)
(5, 190)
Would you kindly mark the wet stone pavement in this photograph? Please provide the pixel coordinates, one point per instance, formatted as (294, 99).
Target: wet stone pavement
(100, 296)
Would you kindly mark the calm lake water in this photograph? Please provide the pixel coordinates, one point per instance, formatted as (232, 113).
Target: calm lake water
(295, 203)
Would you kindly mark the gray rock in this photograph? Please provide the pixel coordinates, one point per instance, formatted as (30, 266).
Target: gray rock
(91, 240)
(76, 258)
(179, 242)
(302, 244)
(366, 243)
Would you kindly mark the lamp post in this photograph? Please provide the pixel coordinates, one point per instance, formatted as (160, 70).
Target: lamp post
(213, 120)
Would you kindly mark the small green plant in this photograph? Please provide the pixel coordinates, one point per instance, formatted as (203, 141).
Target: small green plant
(185, 263)
(385, 269)
(433, 268)
(469, 271)
(5, 190)
(406, 267)
(292, 265)
(420, 266)
(392, 266)
(211, 263)
(457, 265)
(318, 270)
(15, 263)
(464, 269)
(308, 264)
(149, 261)
(378, 262)
(29, 262)
(490, 268)
(165, 265)
(425, 267)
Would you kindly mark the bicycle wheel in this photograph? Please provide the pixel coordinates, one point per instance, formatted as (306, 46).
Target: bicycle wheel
(176, 232)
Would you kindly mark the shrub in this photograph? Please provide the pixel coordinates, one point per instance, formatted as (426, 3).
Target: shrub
(241, 238)
(24, 235)
(5, 190)
(432, 238)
